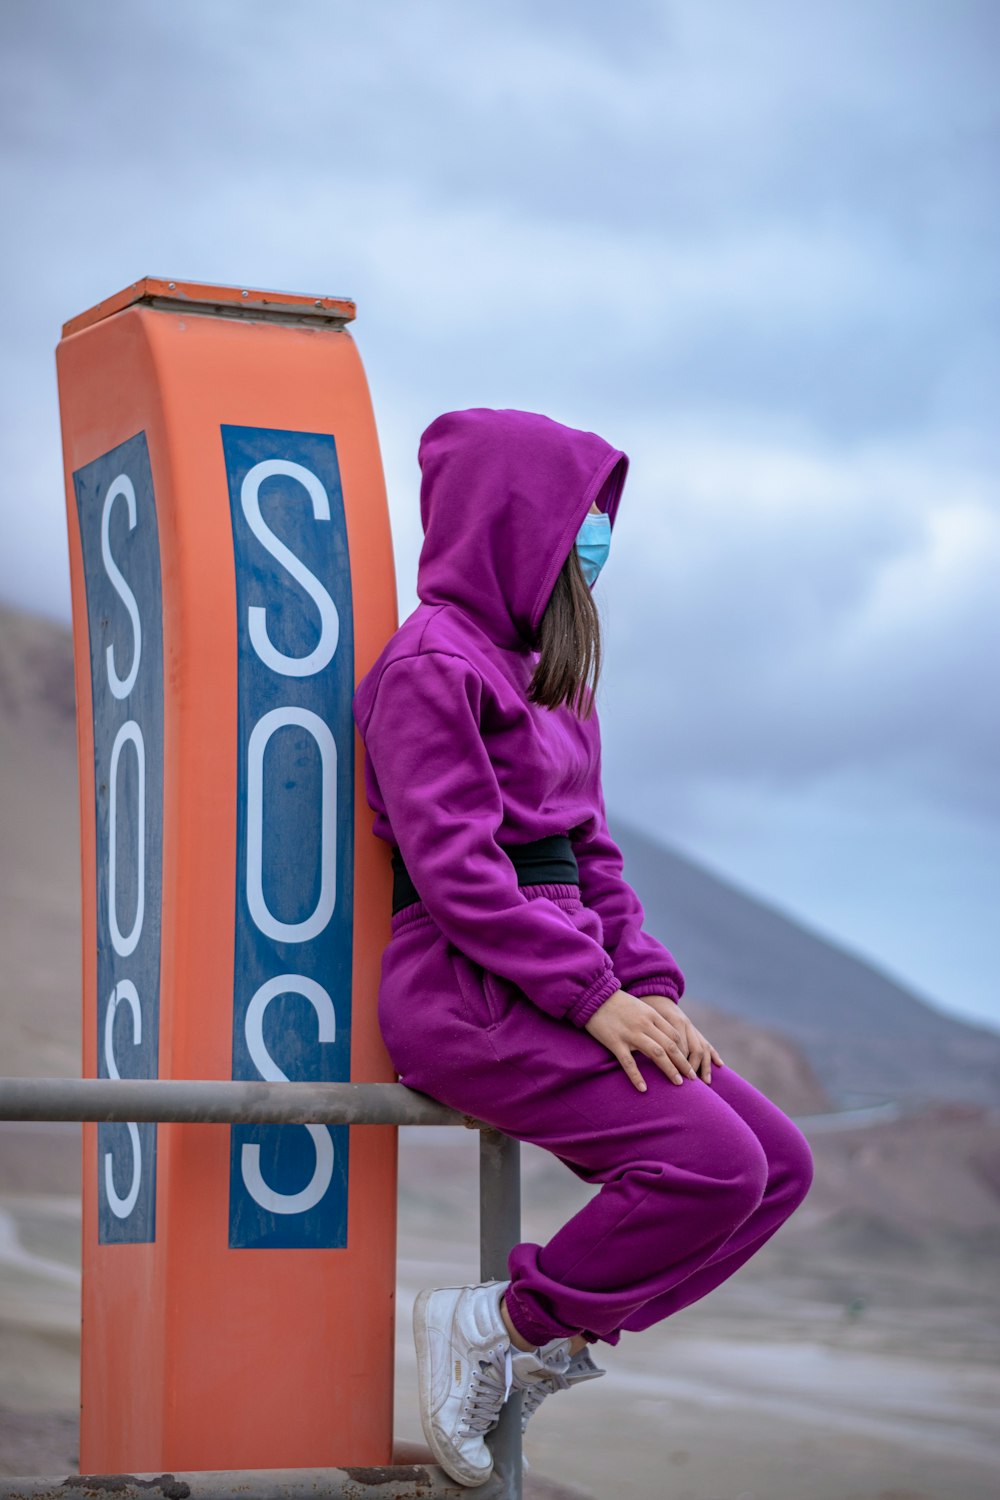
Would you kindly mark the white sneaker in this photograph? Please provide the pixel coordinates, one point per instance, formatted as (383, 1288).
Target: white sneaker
(532, 1367)
(557, 1371)
(464, 1374)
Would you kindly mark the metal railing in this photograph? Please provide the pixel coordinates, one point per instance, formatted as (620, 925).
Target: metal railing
(226, 1101)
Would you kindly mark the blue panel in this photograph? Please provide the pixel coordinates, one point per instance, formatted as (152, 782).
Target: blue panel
(121, 564)
(295, 826)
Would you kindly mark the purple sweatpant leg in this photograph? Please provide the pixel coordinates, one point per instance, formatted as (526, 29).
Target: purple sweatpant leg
(694, 1177)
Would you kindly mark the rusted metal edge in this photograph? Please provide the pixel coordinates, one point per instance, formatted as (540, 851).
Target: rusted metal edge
(249, 313)
(224, 1101)
(394, 1482)
(219, 300)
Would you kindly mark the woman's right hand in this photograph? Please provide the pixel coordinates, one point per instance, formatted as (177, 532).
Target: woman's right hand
(626, 1024)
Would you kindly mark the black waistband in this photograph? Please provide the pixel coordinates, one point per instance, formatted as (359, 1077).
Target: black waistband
(545, 861)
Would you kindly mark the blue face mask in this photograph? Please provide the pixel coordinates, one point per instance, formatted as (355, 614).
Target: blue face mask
(593, 542)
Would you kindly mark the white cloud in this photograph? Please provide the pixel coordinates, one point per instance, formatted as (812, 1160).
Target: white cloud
(814, 607)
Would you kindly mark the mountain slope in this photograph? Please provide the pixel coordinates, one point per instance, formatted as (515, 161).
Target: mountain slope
(867, 1036)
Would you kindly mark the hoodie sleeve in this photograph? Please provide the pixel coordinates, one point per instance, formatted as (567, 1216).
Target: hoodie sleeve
(444, 805)
(645, 966)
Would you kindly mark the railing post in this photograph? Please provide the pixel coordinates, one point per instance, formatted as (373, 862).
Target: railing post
(499, 1232)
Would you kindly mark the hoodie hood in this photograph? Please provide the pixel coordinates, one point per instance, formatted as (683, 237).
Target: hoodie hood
(503, 495)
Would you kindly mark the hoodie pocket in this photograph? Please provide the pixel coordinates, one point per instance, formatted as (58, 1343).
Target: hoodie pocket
(487, 997)
(502, 995)
(469, 987)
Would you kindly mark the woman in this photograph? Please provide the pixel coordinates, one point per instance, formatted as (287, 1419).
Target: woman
(518, 985)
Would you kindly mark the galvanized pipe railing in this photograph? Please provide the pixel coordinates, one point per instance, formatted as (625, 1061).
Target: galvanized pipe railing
(223, 1101)
(230, 1101)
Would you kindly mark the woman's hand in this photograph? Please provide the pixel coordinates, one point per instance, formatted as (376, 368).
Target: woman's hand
(626, 1024)
(697, 1047)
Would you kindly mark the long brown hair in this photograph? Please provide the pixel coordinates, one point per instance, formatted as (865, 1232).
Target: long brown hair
(569, 643)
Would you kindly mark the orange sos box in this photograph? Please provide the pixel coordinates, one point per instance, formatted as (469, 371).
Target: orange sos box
(232, 579)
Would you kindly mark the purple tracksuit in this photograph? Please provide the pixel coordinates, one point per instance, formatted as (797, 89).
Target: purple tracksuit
(486, 986)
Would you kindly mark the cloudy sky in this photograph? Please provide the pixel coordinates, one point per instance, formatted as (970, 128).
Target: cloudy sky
(754, 245)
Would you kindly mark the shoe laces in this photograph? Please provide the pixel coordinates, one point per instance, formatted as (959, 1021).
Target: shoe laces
(534, 1394)
(489, 1388)
(558, 1377)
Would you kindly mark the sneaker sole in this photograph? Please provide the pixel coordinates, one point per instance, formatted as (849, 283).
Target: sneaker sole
(445, 1456)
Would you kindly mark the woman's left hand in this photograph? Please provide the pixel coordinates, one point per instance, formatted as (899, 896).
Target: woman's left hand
(700, 1052)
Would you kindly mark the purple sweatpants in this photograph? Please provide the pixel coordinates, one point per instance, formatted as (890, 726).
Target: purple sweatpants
(696, 1177)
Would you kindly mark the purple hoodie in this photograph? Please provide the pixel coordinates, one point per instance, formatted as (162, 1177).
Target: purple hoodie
(459, 764)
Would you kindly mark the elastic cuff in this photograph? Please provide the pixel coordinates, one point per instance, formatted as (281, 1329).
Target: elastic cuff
(660, 986)
(592, 999)
(613, 1337)
(529, 1328)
